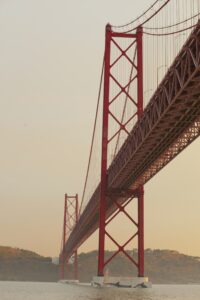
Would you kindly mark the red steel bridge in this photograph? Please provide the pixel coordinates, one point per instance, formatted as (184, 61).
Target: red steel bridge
(148, 110)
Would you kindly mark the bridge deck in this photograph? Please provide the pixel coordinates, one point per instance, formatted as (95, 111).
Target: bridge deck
(170, 122)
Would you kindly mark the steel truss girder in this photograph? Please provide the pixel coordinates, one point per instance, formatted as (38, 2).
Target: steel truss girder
(173, 108)
(170, 122)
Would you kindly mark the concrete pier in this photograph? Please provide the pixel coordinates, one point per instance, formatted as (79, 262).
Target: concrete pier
(126, 282)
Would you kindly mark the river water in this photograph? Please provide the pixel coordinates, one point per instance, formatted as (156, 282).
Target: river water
(58, 291)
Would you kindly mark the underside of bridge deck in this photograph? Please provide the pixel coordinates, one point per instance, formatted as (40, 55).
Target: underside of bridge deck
(170, 122)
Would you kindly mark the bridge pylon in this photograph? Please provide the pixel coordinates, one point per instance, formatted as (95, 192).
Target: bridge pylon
(69, 222)
(133, 92)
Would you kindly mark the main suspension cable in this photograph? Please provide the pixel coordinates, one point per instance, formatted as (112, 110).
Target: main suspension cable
(169, 33)
(173, 25)
(137, 19)
(144, 22)
(93, 135)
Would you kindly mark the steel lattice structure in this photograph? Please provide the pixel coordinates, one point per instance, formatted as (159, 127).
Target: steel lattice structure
(69, 222)
(106, 195)
(170, 122)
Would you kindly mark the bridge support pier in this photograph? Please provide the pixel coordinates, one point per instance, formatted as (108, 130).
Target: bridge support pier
(122, 197)
(70, 220)
(141, 232)
(126, 282)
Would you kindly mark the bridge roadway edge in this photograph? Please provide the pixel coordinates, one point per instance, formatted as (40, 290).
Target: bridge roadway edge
(181, 82)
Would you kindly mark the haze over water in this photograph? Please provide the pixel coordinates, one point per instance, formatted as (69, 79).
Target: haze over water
(58, 291)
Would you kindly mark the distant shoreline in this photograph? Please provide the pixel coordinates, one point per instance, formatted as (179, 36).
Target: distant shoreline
(161, 266)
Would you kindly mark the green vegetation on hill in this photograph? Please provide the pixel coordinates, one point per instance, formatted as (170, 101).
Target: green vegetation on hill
(22, 265)
(16, 253)
(161, 266)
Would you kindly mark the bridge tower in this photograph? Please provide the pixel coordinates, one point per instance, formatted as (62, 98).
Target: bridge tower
(69, 222)
(111, 40)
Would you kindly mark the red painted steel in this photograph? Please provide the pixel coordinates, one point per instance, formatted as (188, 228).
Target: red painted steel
(141, 232)
(141, 189)
(169, 123)
(135, 40)
(70, 221)
(62, 258)
(102, 205)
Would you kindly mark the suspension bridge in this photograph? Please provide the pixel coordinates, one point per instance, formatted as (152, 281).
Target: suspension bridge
(148, 112)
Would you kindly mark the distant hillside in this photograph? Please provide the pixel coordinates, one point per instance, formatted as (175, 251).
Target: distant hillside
(22, 265)
(161, 266)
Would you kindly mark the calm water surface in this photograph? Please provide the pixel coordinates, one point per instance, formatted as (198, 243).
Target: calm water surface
(58, 291)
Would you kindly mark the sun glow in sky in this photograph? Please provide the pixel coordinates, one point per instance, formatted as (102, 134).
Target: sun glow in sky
(50, 60)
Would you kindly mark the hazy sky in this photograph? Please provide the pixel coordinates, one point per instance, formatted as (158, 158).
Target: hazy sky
(50, 59)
